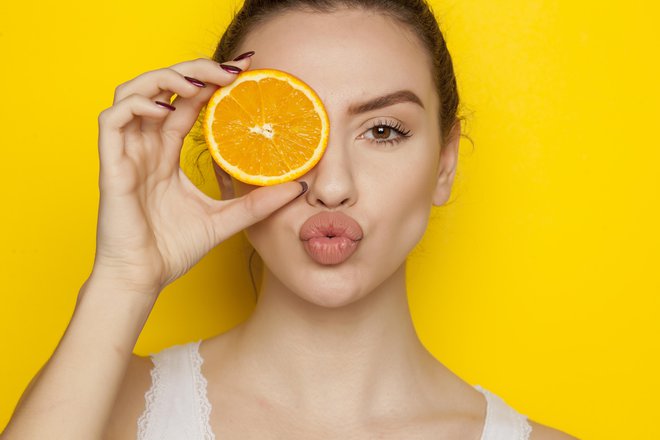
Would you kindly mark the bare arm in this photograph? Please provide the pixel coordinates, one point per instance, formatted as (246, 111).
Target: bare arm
(74, 393)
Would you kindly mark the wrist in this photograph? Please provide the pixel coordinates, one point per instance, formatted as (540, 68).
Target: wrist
(109, 294)
(110, 281)
(113, 312)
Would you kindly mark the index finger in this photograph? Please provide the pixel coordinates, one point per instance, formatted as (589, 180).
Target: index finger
(211, 72)
(188, 108)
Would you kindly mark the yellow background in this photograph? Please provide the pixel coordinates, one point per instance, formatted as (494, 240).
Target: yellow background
(540, 281)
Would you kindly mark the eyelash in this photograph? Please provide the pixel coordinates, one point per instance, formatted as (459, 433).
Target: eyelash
(396, 126)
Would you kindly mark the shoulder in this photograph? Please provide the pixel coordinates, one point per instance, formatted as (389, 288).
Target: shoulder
(130, 402)
(543, 432)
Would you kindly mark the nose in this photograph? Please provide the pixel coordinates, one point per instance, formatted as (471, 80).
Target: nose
(331, 181)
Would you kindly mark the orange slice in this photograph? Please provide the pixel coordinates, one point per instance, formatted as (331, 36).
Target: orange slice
(266, 127)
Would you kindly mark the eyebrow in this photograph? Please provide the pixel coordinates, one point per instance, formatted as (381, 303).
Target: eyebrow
(385, 101)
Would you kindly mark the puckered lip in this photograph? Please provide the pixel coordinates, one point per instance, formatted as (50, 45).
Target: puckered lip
(331, 224)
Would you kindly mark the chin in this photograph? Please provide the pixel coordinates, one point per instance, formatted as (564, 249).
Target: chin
(330, 287)
(335, 286)
(329, 296)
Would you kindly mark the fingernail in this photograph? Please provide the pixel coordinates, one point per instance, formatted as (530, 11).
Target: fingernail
(231, 69)
(165, 105)
(195, 81)
(244, 55)
(304, 188)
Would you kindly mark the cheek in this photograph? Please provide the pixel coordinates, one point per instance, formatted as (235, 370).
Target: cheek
(260, 234)
(400, 197)
(272, 236)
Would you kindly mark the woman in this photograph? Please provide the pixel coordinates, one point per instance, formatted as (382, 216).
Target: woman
(330, 350)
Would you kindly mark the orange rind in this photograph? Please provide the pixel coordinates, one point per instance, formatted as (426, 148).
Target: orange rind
(266, 127)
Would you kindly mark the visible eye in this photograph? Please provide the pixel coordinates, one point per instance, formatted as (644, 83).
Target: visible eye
(383, 132)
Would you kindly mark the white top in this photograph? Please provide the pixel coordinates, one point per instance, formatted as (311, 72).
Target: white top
(177, 407)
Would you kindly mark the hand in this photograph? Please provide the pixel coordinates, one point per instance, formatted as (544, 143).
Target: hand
(153, 223)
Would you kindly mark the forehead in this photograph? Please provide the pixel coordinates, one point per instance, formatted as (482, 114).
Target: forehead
(345, 56)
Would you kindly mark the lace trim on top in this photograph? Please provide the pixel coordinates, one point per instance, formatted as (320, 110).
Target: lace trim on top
(200, 391)
(525, 428)
(151, 396)
(170, 367)
(502, 420)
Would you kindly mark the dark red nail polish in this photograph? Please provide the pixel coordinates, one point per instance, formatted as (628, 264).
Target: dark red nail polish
(231, 69)
(195, 81)
(244, 55)
(304, 186)
(165, 105)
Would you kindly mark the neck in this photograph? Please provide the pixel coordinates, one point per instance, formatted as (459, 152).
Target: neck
(360, 357)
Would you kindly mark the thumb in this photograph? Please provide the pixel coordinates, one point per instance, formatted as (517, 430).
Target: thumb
(241, 212)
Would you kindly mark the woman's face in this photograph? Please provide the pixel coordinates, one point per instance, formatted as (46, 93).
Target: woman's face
(349, 58)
